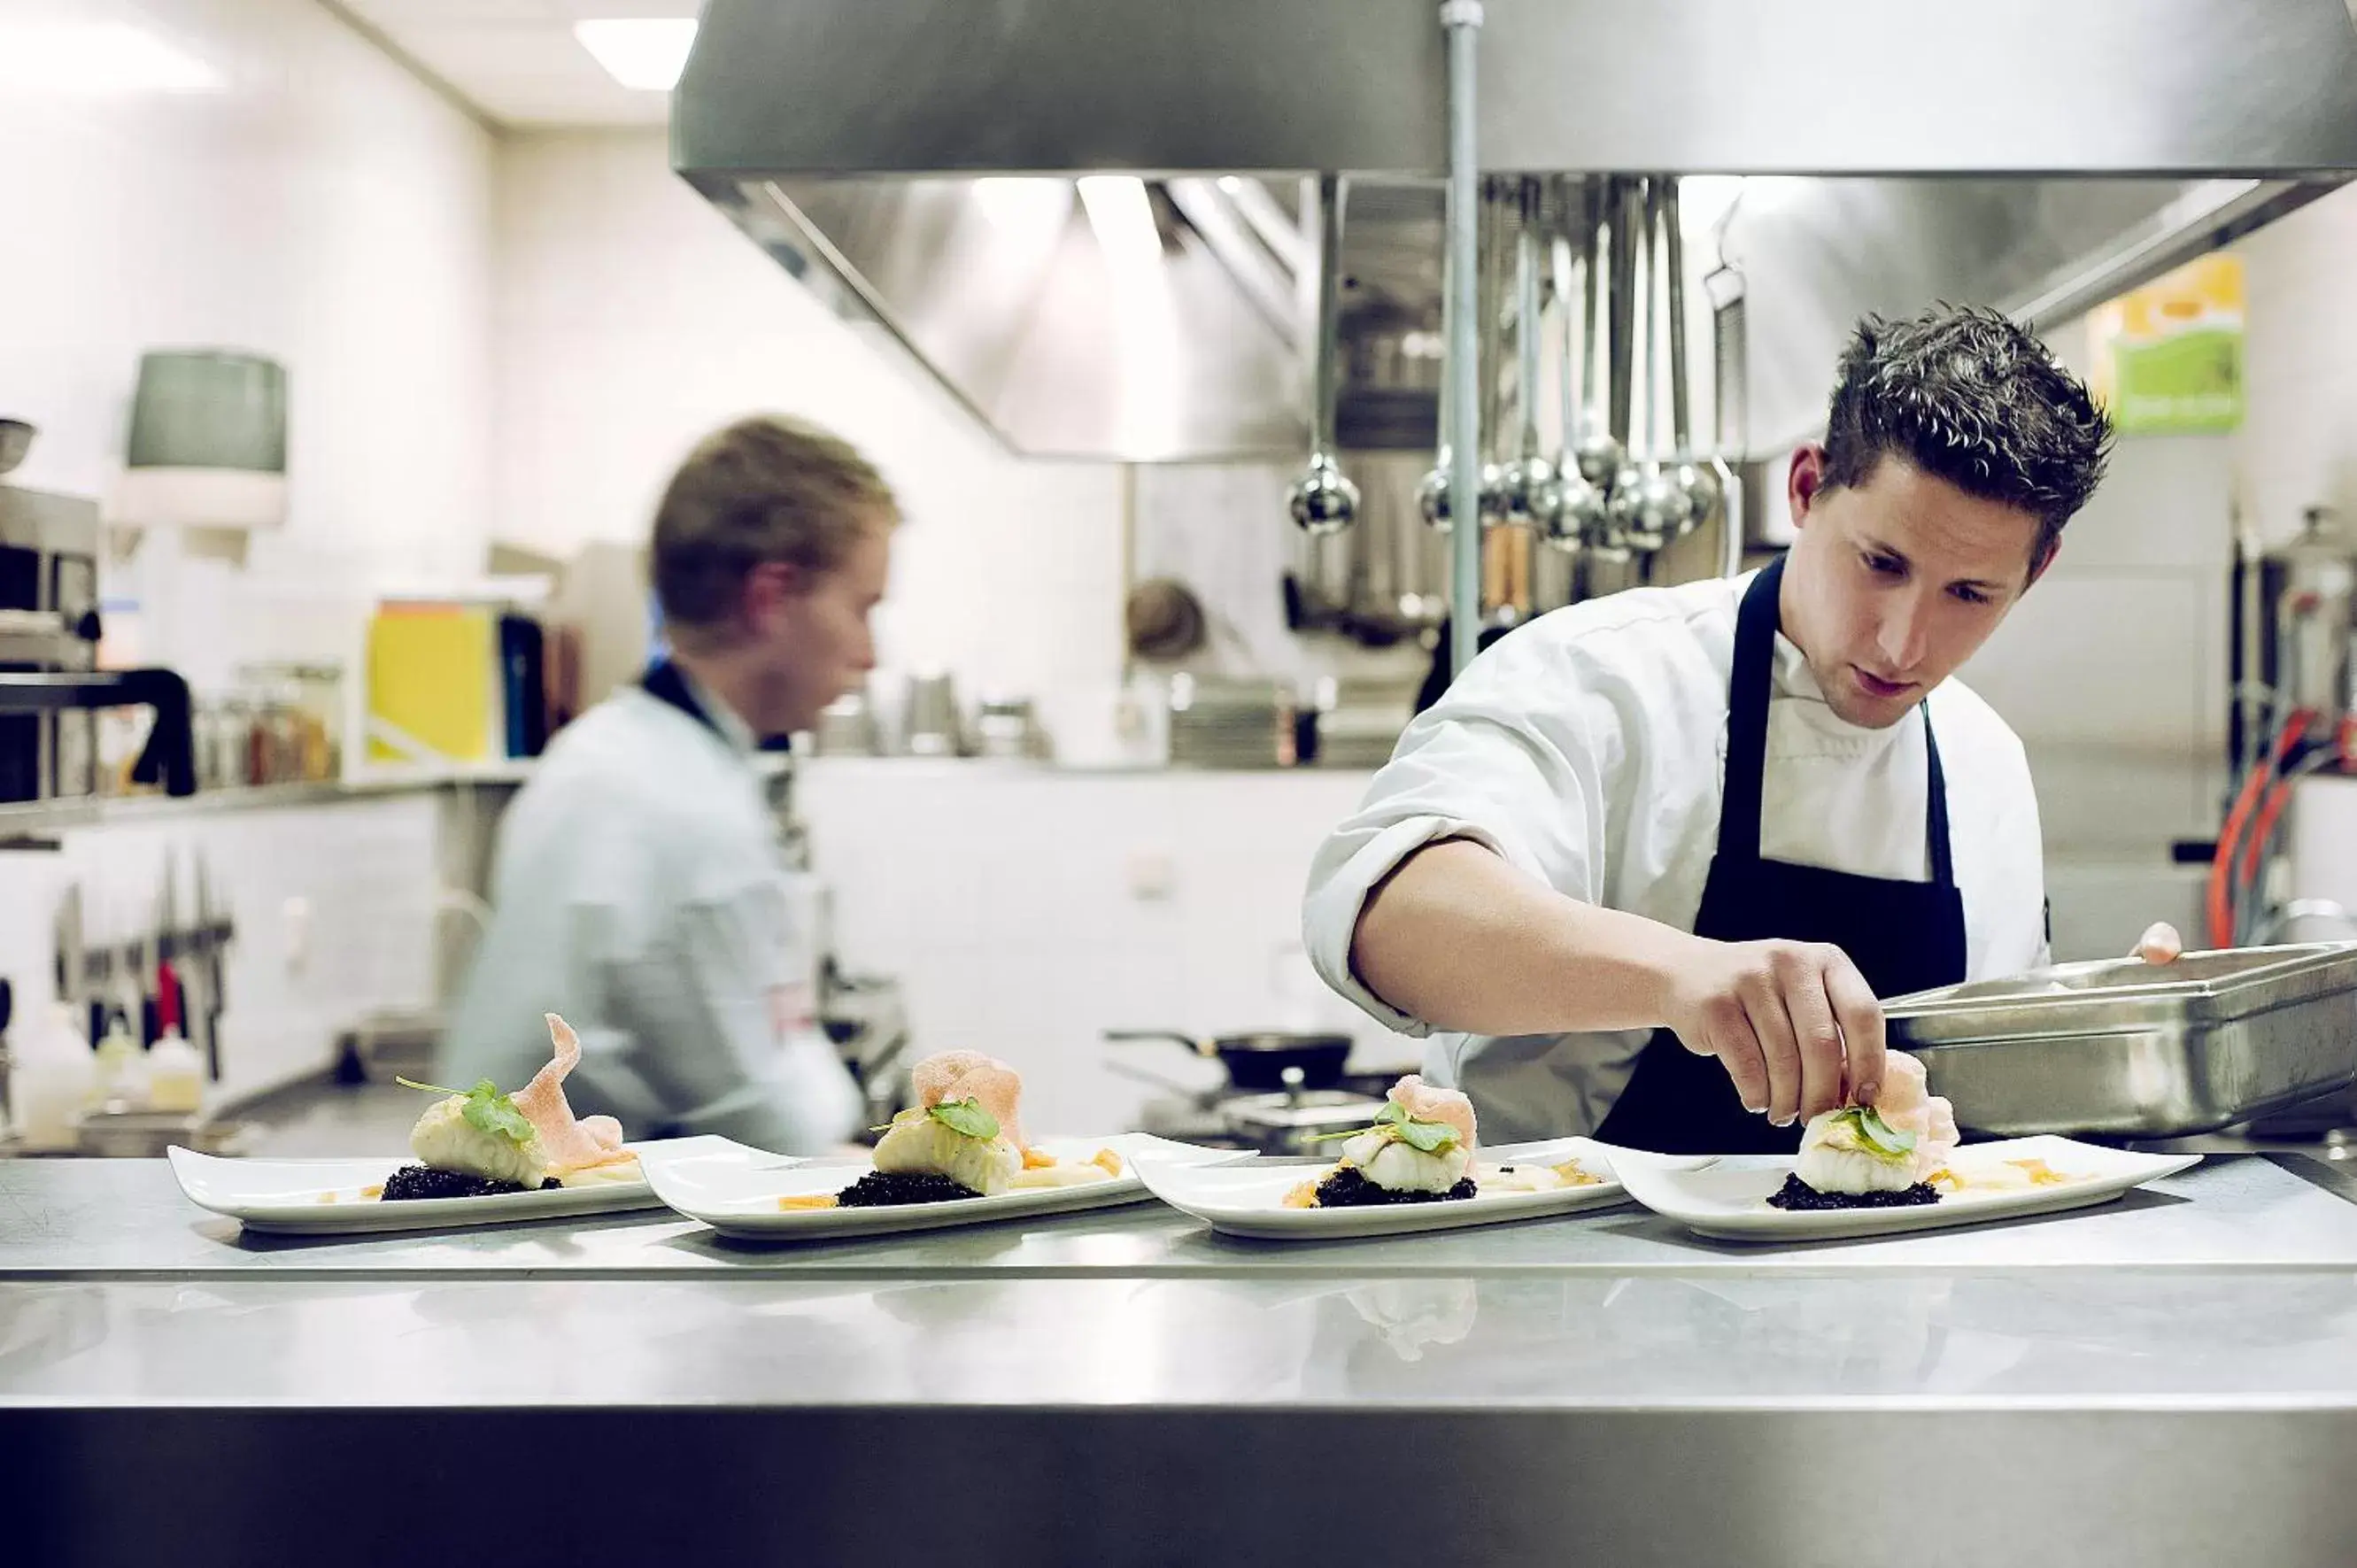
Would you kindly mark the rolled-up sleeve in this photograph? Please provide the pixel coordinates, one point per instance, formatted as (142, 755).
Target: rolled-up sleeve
(1517, 757)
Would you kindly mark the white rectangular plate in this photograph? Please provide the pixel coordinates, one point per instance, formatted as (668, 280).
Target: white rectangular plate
(1728, 1197)
(735, 1190)
(323, 1198)
(1249, 1199)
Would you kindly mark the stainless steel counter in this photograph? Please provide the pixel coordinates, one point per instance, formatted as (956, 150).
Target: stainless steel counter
(2170, 1380)
(126, 1219)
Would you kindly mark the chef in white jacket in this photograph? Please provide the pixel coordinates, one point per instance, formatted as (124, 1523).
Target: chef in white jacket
(639, 888)
(1645, 868)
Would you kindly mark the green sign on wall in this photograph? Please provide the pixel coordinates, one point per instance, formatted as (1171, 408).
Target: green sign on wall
(2168, 356)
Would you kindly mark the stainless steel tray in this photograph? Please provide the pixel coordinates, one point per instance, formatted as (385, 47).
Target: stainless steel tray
(2126, 1047)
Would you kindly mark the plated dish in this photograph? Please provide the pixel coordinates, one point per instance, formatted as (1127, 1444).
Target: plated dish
(753, 1195)
(1732, 1197)
(958, 1156)
(1418, 1168)
(1884, 1155)
(477, 1142)
(340, 1197)
(963, 1139)
(1421, 1150)
(480, 1156)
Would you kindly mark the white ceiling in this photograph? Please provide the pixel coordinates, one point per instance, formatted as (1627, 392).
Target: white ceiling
(516, 60)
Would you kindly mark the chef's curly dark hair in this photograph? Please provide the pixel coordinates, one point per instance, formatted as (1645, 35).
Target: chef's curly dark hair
(1968, 395)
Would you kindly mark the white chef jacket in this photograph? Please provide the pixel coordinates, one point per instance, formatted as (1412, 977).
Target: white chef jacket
(639, 893)
(1589, 749)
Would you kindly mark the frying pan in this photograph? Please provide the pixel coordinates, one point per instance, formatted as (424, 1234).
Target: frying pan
(1258, 1059)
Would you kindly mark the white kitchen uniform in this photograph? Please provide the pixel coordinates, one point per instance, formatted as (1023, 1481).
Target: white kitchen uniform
(1589, 749)
(639, 893)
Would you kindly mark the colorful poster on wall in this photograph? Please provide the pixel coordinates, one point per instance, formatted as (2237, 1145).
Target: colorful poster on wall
(2168, 356)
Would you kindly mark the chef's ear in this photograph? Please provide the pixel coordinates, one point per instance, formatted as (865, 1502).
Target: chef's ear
(769, 586)
(1804, 479)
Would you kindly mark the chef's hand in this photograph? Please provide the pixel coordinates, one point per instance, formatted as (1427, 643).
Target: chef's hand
(1778, 1015)
(2160, 944)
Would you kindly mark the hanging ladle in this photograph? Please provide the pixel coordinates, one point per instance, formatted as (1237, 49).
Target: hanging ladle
(1696, 483)
(1576, 510)
(1619, 242)
(1496, 502)
(1597, 454)
(1323, 500)
(1532, 496)
(1432, 490)
(1648, 504)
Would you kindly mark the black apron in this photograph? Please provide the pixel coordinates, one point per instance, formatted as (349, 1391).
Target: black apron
(1903, 936)
(665, 684)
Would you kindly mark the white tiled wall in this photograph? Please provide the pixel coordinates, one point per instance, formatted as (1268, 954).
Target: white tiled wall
(2113, 669)
(316, 203)
(1028, 910)
(633, 318)
(2298, 447)
(334, 907)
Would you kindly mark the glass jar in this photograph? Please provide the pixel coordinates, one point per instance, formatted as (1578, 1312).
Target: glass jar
(296, 722)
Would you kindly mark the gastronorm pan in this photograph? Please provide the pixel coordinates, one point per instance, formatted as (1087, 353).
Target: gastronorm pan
(2130, 1048)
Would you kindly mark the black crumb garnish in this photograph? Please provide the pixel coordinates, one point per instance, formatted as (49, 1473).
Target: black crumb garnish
(1348, 1188)
(424, 1181)
(1796, 1193)
(879, 1189)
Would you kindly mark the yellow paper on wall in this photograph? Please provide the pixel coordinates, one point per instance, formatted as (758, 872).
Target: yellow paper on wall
(2168, 356)
(430, 670)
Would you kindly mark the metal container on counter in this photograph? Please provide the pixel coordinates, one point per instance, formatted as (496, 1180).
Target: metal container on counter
(1230, 721)
(847, 726)
(2126, 1048)
(126, 1135)
(1009, 727)
(932, 723)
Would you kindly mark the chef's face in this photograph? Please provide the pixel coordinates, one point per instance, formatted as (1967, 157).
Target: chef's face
(814, 626)
(1895, 581)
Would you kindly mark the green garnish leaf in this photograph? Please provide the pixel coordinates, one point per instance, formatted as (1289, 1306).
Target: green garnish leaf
(964, 1116)
(489, 1111)
(1873, 1129)
(1427, 1137)
(486, 1111)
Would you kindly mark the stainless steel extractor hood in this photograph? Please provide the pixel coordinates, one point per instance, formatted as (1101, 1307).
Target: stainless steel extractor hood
(926, 156)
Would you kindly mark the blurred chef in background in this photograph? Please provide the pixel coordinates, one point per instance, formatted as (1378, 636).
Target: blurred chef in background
(638, 887)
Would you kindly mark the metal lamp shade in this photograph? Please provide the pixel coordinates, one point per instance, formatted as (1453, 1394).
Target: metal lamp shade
(208, 445)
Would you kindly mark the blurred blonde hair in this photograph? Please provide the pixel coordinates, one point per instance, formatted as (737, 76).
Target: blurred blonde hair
(766, 488)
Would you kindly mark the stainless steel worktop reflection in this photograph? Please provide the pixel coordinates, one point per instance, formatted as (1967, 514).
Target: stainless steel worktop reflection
(2088, 1338)
(127, 1218)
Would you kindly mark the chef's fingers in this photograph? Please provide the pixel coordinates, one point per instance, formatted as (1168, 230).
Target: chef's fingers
(2160, 944)
(1860, 1016)
(1772, 1026)
(1819, 1041)
(1727, 1034)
